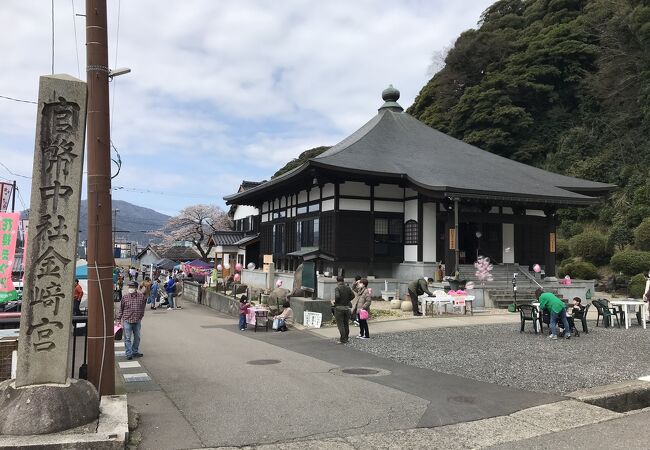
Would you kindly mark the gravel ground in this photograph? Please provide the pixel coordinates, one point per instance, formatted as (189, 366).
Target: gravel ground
(500, 354)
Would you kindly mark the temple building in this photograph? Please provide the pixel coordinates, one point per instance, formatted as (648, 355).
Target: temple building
(397, 197)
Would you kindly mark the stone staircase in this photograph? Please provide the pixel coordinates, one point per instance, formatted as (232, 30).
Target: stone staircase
(500, 289)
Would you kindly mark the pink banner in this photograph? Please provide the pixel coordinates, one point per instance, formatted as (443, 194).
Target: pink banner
(8, 238)
(6, 190)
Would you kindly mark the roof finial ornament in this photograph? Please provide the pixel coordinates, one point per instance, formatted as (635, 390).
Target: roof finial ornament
(390, 96)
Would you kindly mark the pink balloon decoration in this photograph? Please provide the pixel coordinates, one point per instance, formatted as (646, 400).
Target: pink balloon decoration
(278, 283)
(236, 277)
(370, 291)
(537, 268)
(238, 267)
(219, 267)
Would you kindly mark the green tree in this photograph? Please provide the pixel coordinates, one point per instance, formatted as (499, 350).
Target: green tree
(642, 235)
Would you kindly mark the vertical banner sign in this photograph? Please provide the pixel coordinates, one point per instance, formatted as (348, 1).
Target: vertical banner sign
(6, 190)
(46, 317)
(25, 224)
(8, 238)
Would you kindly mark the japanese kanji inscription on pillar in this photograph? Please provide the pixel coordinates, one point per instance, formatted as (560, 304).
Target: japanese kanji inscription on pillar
(45, 323)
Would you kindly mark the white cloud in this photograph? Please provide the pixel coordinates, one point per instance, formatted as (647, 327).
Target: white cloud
(228, 90)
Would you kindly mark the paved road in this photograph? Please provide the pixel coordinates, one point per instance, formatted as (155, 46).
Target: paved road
(206, 392)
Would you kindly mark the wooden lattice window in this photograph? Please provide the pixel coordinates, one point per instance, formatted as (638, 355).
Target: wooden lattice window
(411, 232)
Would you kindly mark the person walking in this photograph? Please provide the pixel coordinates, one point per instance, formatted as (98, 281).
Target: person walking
(354, 317)
(417, 288)
(77, 296)
(153, 293)
(363, 308)
(130, 314)
(342, 302)
(170, 288)
(556, 307)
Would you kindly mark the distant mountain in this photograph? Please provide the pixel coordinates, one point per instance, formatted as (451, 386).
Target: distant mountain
(132, 222)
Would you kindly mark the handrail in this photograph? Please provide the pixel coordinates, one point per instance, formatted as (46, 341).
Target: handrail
(529, 276)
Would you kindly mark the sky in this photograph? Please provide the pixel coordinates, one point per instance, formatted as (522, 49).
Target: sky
(222, 91)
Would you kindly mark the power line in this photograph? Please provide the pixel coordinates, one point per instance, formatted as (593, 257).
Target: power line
(117, 46)
(76, 42)
(20, 199)
(13, 173)
(52, 37)
(18, 100)
(171, 193)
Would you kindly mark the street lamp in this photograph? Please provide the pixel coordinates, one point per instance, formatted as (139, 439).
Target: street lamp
(117, 72)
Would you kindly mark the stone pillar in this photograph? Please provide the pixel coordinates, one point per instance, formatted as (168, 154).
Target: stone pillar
(54, 222)
(43, 399)
(450, 252)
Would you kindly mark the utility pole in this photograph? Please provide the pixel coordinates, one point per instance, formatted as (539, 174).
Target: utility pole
(101, 349)
(13, 198)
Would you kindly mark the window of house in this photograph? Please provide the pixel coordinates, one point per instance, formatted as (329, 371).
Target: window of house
(411, 232)
(388, 230)
(278, 239)
(307, 233)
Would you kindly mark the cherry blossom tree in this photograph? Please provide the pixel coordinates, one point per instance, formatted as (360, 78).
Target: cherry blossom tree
(194, 224)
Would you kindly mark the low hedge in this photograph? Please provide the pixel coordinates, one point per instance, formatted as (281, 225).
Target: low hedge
(580, 270)
(631, 262)
(591, 246)
(637, 286)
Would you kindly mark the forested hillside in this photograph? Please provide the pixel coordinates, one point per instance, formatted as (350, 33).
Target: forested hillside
(560, 84)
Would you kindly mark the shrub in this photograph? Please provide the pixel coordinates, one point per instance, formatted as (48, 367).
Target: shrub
(591, 246)
(631, 262)
(642, 235)
(579, 269)
(562, 250)
(620, 236)
(636, 288)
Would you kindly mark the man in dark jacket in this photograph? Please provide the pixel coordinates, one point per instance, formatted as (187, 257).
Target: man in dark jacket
(417, 288)
(343, 296)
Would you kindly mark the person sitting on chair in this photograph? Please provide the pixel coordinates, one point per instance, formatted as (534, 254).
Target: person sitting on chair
(285, 317)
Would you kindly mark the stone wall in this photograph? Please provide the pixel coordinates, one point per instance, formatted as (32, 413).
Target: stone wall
(192, 291)
(299, 305)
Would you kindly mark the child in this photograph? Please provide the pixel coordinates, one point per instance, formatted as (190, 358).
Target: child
(285, 317)
(243, 309)
(577, 312)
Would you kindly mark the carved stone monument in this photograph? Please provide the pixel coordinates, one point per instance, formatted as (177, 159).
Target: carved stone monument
(43, 399)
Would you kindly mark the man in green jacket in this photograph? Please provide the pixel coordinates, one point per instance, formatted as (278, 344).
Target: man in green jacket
(417, 288)
(343, 296)
(557, 308)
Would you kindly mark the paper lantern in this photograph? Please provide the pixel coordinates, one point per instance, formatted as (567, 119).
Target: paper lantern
(236, 277)
(238, 267)
(219, 267)
(251, 266)
(226, 266)
(469, 285)
(537, 268)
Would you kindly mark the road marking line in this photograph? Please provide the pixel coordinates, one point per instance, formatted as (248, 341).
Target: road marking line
(129, 364)
(136, 377)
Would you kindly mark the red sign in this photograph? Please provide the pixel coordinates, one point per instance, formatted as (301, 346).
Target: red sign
(8, 238)
(6, 190)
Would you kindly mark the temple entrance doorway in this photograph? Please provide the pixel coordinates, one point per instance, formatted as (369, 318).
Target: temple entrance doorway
(480, 239)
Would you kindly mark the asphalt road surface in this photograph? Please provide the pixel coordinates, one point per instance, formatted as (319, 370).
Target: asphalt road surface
(208, 388)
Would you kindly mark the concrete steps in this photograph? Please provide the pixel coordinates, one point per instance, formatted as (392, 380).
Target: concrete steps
(500, 289)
